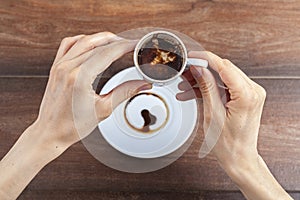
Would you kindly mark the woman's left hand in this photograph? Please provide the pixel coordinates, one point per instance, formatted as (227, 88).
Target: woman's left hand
(69, 94)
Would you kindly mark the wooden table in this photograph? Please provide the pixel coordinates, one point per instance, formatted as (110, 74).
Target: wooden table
(262, 37)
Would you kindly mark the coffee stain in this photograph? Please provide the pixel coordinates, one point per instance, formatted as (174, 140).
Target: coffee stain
(149, 120)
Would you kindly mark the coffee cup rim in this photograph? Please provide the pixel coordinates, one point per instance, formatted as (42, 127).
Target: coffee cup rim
(138, 46)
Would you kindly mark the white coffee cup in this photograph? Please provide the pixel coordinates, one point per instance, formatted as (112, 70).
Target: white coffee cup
(161, 57)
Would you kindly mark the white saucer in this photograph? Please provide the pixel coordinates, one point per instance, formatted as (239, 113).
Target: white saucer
(178, 127)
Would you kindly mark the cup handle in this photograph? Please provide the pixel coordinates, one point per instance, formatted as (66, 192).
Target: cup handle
(196, 62)
(201, 63)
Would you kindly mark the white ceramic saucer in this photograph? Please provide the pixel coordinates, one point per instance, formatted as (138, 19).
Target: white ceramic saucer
(169, 132)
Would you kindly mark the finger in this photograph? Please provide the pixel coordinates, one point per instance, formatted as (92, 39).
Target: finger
(209, 90)
(216, 62)
(106, 103)
(186, 85)
(102, 59)
(86, 43)
(77, 61)
(189, 94)
(65, 45)
(214, 110)
(188, 81)
(229, 73)
(188, 75)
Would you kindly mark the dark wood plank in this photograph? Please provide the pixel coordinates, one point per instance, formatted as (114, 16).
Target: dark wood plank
(203, 195)
(211, 195)
(263, 37)
(76, 172)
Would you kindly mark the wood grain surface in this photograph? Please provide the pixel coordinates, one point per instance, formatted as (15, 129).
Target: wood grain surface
(77, 171)
(261, 37)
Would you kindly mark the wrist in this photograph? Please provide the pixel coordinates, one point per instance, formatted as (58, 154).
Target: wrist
(253, 178)
(44, 139)
(243, 168)
(24, 160)
(237, 163)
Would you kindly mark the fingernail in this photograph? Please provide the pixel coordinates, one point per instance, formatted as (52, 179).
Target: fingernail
(135, 41)
(147, 86)
(196, 71)
(118, 37)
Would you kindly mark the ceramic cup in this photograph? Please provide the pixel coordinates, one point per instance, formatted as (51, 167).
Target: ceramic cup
(161, 57)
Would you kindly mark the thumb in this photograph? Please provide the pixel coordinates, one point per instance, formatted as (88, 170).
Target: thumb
(105, 104)
(214, 110)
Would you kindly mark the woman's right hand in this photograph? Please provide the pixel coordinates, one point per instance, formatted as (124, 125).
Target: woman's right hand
(238, 121)
(239, 118)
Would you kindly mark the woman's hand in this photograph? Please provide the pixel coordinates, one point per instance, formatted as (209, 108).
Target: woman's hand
(70, 109)
(69, 92)
(231, 130)
(239, 117)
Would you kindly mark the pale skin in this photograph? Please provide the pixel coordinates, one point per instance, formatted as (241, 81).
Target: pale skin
(54, 131)
(236, 148)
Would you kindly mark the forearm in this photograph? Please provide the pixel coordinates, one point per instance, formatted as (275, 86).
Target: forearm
(25, 159)
(256, 182)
